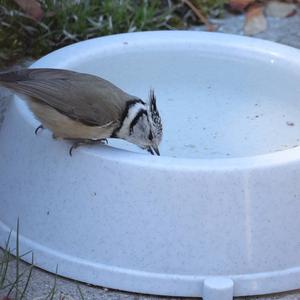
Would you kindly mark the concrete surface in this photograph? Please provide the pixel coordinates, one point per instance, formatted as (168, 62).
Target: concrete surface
(286, 31)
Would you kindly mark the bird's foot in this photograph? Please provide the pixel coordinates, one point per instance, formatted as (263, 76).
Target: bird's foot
(79, 143)
(74, 146)
(38, 128)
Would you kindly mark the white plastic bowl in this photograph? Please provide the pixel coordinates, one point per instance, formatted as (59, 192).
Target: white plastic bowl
(216, 215)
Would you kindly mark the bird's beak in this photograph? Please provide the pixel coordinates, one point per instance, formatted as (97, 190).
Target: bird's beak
(153, 150)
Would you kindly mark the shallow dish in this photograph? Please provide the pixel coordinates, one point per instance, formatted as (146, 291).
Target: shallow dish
(216, 215)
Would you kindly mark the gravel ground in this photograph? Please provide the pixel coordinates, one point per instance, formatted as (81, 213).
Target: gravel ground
(284, 31)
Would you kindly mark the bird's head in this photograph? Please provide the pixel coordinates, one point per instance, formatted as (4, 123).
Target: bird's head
(143, 125)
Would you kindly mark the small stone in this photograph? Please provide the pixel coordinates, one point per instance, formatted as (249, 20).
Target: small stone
(255, 21)
(278, 9)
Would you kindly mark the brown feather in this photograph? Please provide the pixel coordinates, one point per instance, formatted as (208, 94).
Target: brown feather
(66, 128)
(86, 98)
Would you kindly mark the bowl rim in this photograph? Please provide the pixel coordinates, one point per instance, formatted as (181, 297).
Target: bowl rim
(63, 57)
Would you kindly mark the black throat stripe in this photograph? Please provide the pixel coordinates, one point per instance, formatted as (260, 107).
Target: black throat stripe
(129, 104)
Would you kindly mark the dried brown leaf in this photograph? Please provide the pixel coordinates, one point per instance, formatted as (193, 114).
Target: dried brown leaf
(240, 5)
(32, 8)
(255, 21)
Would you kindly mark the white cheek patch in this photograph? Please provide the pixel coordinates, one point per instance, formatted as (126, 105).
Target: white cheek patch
(124, 131)
(141, 129)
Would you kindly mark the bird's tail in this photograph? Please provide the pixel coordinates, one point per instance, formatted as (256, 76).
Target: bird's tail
(10, 80)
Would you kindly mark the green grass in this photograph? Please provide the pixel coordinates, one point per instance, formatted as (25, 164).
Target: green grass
(16, 289)
(66, 22)
(13, 288)
(69, 21)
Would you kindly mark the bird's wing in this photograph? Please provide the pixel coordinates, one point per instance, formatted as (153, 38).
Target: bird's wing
(83, 97)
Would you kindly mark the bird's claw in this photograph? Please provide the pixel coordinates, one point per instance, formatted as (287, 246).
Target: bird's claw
(38, 128)
(76, 144)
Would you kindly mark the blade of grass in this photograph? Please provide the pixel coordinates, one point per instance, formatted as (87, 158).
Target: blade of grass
(53, 290)
(11, 257)
(17, 260)
(80, 292)
(4, 271)
(5, 261)
(3, 275)
(28, 278)
(14, 285)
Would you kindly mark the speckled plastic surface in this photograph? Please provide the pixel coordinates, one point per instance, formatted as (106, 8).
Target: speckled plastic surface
(222, 201)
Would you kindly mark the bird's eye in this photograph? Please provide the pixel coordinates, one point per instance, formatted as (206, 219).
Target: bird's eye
(150, 136)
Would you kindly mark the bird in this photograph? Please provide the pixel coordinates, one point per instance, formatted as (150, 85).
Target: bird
(86, 109)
